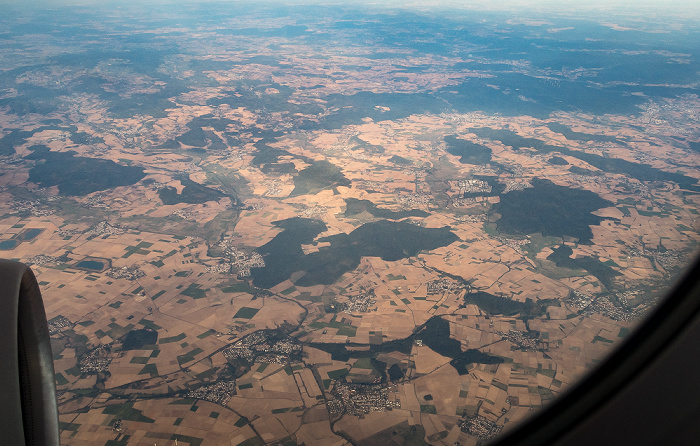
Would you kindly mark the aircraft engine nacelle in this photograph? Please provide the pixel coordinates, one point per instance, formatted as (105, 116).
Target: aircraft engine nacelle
(28, 407)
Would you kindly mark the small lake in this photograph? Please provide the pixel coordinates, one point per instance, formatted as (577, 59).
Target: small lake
(92, 265)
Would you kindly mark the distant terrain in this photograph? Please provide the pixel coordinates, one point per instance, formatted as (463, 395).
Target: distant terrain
(261, 224)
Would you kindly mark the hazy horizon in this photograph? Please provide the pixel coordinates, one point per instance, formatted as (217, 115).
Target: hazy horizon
(639, 6)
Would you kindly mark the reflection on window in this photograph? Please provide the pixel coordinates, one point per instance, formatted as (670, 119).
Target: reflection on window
(322, 224)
